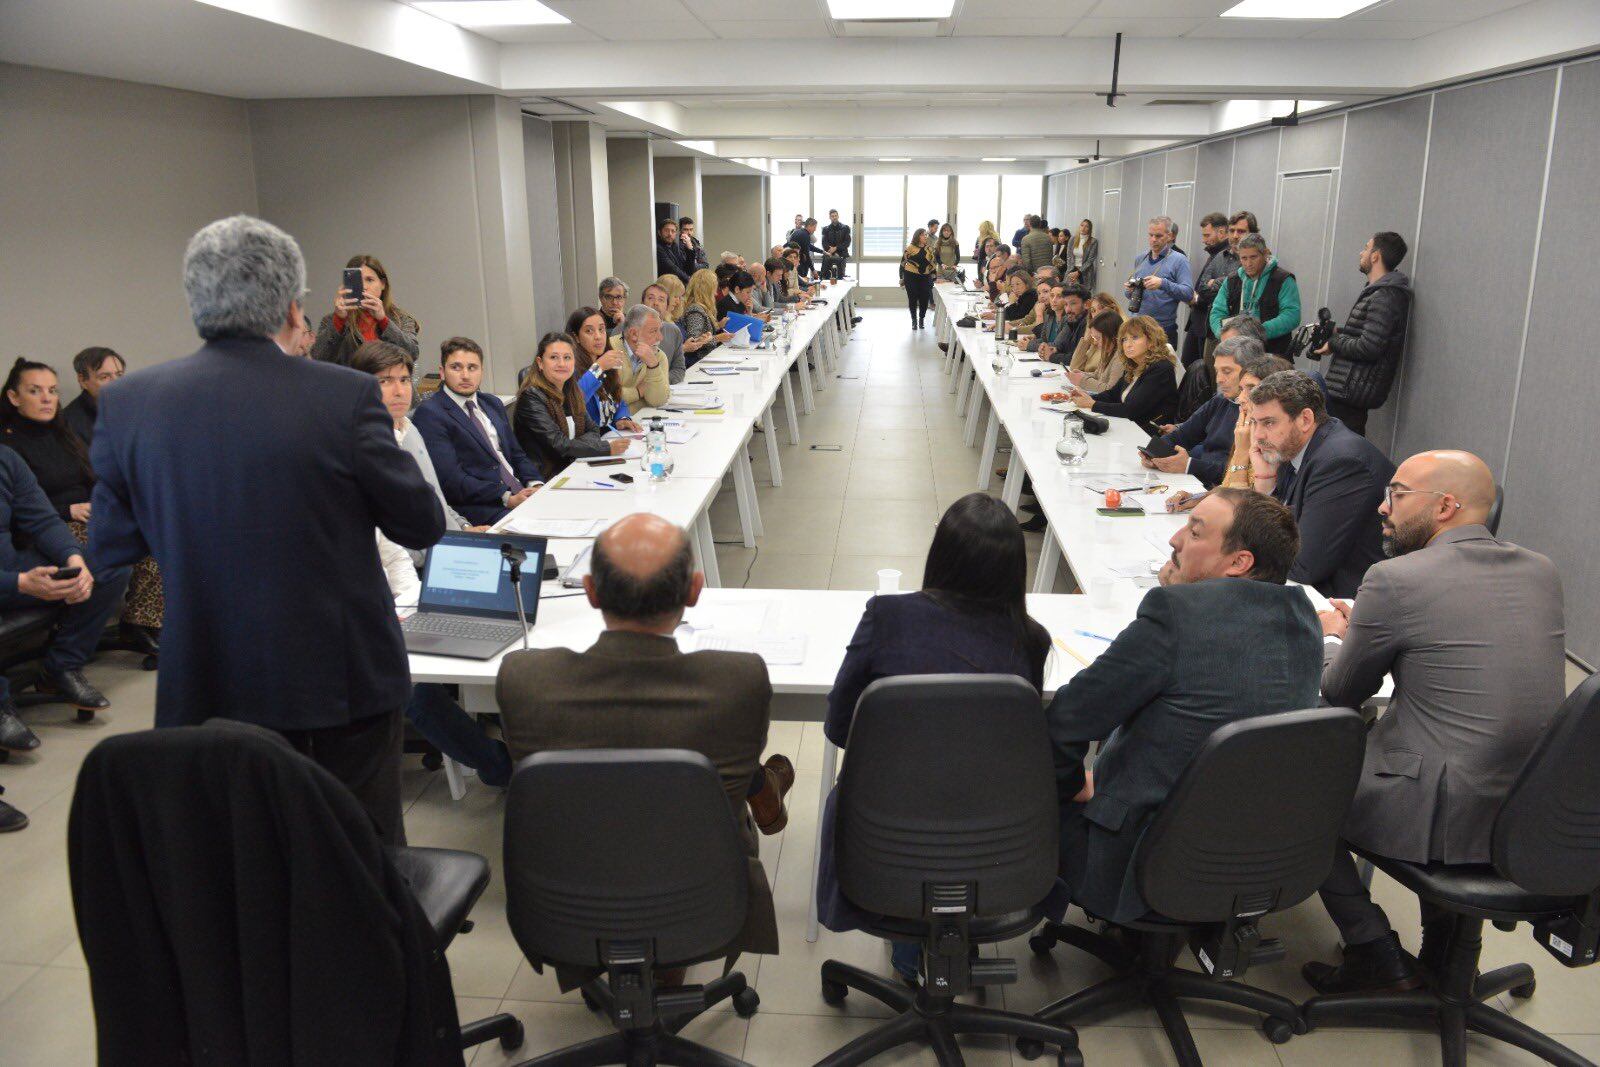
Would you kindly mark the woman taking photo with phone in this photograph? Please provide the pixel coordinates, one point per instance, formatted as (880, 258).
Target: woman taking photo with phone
(597, 365)
(916, 276)
(369, 314)
(552, 423)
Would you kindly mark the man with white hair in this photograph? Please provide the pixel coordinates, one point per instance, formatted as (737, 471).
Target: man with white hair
(644, 373)
(257, 480)
(1162, 279)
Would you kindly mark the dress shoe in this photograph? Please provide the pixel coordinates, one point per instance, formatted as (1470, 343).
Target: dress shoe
(10, 818)
(1031, 509)
(1380, 966)
(75, 687)
(140, 639)
(944, 346)
(855, 320)
(767, 806)
(1036, 524)
(14, 733)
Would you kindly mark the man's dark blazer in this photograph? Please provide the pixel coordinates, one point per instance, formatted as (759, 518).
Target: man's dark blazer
(1196, 658)
(468, 470)
(256, 481)
(802, 239)
(836, 235)
(670, 260)
(1208, 437)
(1335, 497)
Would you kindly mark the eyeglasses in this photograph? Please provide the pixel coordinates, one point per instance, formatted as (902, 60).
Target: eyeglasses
(1390, 492)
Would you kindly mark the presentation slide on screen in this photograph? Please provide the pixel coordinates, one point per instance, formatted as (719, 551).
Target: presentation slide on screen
(467, 569)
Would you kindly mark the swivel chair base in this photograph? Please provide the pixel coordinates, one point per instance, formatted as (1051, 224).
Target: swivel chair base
(1454, 1002)
(1146, 977)
(658, 1044)
(934, 1019)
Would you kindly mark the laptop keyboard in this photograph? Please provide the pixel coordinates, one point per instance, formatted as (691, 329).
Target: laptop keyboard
(461, 626)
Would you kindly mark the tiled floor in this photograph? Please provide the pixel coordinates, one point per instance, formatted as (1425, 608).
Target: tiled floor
(837, 519)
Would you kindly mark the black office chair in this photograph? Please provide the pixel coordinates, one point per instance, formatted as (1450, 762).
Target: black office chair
(1250, 829)
(627, 862)
(1546, 872)
(947, 830)
(1493, 521)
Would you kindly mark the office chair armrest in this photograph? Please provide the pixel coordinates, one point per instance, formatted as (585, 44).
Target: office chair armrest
(1572, 937)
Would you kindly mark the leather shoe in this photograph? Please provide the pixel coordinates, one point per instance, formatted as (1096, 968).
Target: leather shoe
(1031, 508)
(1380, 966)
(1037, 524)
(75, 688)
(140, 639)
(14, 733)
(10, 818)
(768, 806)
(944, 346)
(855, 320)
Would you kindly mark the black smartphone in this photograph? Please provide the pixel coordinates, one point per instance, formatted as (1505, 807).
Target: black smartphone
(1158, 448)
(354, 287)
(608, 462)
(625, 479)
(1119, 512)
(66, 574)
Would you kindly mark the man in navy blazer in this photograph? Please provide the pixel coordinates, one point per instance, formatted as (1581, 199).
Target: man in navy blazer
(257, 481)
(1205, 440)
(1332, 478)
(1222, 639)
(483, 471)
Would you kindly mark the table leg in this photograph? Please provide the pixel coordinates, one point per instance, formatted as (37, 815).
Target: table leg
(817, 361)
(789, 412)
(1044, 577)
(808, 400)
(830, 765)
(975, 400)
(770, 426)
(708, 550)
(991, 442)
(1011, 495)
(741, 461)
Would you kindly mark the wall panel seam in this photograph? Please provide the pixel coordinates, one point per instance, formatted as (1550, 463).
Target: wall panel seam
(1398, 388)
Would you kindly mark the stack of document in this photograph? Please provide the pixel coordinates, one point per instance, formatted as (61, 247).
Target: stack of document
(533, 526)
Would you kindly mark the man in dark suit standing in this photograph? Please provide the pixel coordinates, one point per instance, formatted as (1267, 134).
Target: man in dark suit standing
(803, 238)
(1222, 639)
(482, 469)
(256, 481)
(1472, 630)
(635, 689)
(1331, 478)
(835, 246)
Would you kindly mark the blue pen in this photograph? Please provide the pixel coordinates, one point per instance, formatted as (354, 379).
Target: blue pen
(1091, 633)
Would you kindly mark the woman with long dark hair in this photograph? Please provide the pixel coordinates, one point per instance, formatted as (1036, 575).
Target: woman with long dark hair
(370, 315)
(32, 425)
(552, 424)
(970, 617)
(597, 366)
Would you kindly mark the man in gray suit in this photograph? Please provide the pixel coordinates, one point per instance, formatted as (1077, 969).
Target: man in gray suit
(635, 689)
(1472, 630)
(1222, 639)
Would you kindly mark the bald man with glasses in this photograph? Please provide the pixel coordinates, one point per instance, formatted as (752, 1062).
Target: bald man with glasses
(1471, 628)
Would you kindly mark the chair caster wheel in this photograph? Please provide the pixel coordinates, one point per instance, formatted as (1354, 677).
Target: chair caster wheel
(588, 1001)
(1278, 1031)
(1042, 944)
(149, 663)
(85, 715)
(432, 761)
(834, 992)
(4, 755)
(513, 1040)
(745, 1003)
(1029, 1049)
(1522, 992)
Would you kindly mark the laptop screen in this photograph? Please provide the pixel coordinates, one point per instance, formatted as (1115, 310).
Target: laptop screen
(465, 574)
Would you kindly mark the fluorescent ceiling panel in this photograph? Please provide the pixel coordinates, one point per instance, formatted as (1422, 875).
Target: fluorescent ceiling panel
(472, 13)
(1295, 9)
(890, 9)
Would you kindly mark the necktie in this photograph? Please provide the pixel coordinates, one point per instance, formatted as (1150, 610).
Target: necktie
(1286, 484)
(483, 437)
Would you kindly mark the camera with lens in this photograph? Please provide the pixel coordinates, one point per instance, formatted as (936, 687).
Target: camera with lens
(1306, 340)
(1135, 295)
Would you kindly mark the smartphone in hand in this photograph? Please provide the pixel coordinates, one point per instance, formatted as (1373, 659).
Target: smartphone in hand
(353, 285)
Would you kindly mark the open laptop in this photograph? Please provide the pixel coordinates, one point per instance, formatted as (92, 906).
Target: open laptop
(467, 607)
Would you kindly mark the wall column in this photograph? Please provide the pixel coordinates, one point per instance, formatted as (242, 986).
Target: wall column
(632, 186)
(584, 202)
(678, 181)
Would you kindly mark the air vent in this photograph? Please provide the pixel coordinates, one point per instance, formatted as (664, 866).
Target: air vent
(889, 27)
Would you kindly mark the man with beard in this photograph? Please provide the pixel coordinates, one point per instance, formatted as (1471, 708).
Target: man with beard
(1471, 628)
(1331, 478)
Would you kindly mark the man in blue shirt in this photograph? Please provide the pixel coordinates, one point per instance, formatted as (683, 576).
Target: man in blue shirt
(1205, 440)
(1164, 275)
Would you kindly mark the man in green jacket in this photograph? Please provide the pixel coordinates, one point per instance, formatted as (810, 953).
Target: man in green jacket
(1262, 289)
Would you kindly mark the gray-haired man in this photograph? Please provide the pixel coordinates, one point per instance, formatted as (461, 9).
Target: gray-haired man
(1164, 275)
(613, 298)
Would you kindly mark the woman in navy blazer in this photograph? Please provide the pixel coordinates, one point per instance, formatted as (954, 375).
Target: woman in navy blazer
(971, 617)
(470, 474)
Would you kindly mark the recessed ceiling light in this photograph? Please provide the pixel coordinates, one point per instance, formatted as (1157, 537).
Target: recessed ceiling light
(1295, 9)
(474, 13)
(786, 159)
(919, 10)
(999, 159)
(894, 159)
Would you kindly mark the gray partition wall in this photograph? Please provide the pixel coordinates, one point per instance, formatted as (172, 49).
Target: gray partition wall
(1491, 183)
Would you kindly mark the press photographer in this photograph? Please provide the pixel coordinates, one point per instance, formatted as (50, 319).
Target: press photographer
(1366, 350)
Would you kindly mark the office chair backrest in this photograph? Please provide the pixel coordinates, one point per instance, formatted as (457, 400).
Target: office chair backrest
(1493, 521)
(1547, 835)
(949, 779)
(1252, 824)
(618, 844)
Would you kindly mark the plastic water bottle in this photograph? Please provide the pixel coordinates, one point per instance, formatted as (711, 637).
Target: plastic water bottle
(657, 460)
